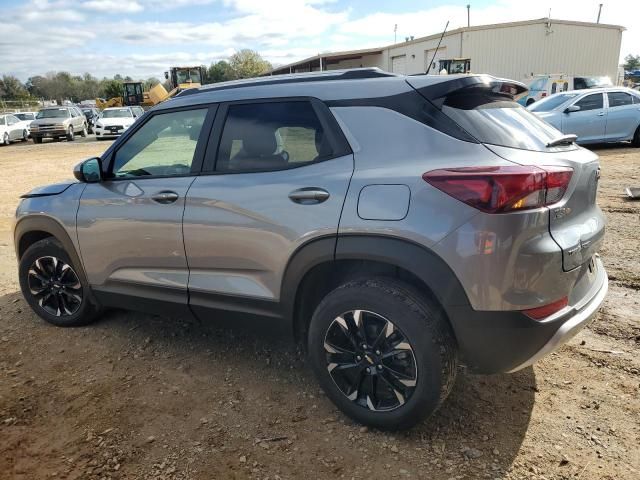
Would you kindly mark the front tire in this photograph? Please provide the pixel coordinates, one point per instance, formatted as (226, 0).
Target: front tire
(52, 286)
(383, 352)
(70, 135)
(84, 131)
(37, 139)
(636, 138)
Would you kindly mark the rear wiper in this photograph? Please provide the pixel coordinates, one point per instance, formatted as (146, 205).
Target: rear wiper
(563, 140)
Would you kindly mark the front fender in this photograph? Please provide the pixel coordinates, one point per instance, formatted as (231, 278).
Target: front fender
(45, 224)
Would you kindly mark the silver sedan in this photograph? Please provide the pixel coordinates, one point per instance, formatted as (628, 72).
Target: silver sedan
(599, 115)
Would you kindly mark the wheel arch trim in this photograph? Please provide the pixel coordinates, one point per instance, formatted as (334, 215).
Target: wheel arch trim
(51, 226)
(414, 258)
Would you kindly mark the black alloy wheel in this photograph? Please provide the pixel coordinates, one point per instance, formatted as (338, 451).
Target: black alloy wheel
(370, 360)
(55, 286)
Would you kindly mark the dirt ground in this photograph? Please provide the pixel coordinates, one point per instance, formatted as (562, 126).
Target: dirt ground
(143, 397)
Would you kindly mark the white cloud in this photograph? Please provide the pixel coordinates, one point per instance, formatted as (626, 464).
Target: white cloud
(112, 6)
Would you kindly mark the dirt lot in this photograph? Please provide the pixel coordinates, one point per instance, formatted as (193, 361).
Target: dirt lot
(140, 397)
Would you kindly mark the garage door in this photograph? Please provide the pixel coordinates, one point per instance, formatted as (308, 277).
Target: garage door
(399, 64)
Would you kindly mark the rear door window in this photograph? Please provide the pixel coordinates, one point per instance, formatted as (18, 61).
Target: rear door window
(496, 121)
(272, 136)
(590, 102)
(619, 99)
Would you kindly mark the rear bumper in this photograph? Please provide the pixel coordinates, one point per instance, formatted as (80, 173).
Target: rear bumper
(498, 342)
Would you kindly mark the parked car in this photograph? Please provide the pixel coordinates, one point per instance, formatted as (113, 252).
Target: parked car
(595, 116)
(137, 111)
(114, 121)
(91, 114)
(57, 123)
(391, 237)
(544, 85)
(12, 129)
(26, 116)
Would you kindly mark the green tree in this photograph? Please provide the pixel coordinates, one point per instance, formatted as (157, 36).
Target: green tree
(631, 62)
(150, 82)
(12, 89)
(247, 63)
(218, 72)
(36, 86)
(112, 88)
(88, 87)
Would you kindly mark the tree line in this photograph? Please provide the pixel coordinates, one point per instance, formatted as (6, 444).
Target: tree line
(631, 62)
(61, 86)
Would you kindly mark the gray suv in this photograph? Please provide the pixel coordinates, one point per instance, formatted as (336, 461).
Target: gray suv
(394, 225)
(57, 123)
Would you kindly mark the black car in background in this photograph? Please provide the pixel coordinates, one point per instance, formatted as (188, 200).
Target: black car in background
(92, 114)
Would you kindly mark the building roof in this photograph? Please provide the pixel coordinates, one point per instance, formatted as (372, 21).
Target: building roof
(346, 54)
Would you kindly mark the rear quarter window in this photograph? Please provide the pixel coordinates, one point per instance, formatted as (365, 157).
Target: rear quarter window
(498, 121)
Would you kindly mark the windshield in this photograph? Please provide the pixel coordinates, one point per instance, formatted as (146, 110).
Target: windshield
(117, 112)
(549, 103)
(24, 116)
(499, 122)
(188, 76)
(53, 113)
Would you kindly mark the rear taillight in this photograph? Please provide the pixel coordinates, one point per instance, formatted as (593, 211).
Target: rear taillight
(502, 189)
(545, 311)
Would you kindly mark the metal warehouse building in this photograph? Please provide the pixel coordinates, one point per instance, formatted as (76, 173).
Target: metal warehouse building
(516, 50)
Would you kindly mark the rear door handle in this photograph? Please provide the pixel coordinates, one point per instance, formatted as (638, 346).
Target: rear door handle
(165, 197)
(309, 195)
(601, 114)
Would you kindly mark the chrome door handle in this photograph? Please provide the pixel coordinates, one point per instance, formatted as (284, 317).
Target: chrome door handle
(601, 114)
(165, 197)
(309, 195)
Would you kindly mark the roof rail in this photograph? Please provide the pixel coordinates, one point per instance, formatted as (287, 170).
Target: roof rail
(327, 75)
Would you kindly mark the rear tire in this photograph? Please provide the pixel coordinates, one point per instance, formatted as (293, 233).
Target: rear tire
(394, 363)
(70, 135)
(636, 138)
(5, 139)
(52, 287)
(25, 135)
(84, 131)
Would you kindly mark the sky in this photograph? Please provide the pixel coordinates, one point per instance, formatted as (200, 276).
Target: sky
(142, 38)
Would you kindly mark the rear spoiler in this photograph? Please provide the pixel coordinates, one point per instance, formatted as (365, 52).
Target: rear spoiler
(437, 88)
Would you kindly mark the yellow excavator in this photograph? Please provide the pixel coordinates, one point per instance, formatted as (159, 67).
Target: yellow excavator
(180, 78)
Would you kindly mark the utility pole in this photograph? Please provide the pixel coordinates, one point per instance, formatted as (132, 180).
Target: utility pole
(468, 14)
(599, 12)
(395, 33)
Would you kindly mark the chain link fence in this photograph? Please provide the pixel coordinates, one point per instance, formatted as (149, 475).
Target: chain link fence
(14, 106)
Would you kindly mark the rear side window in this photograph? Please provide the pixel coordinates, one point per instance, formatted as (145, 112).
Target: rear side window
(590, 102)
(619, 99)
(496, 121)
(272, 136)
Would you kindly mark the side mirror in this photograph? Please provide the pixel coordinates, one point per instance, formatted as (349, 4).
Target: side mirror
(572, 108)
(89, 171)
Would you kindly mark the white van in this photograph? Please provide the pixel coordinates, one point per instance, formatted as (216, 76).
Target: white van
(544, 85)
